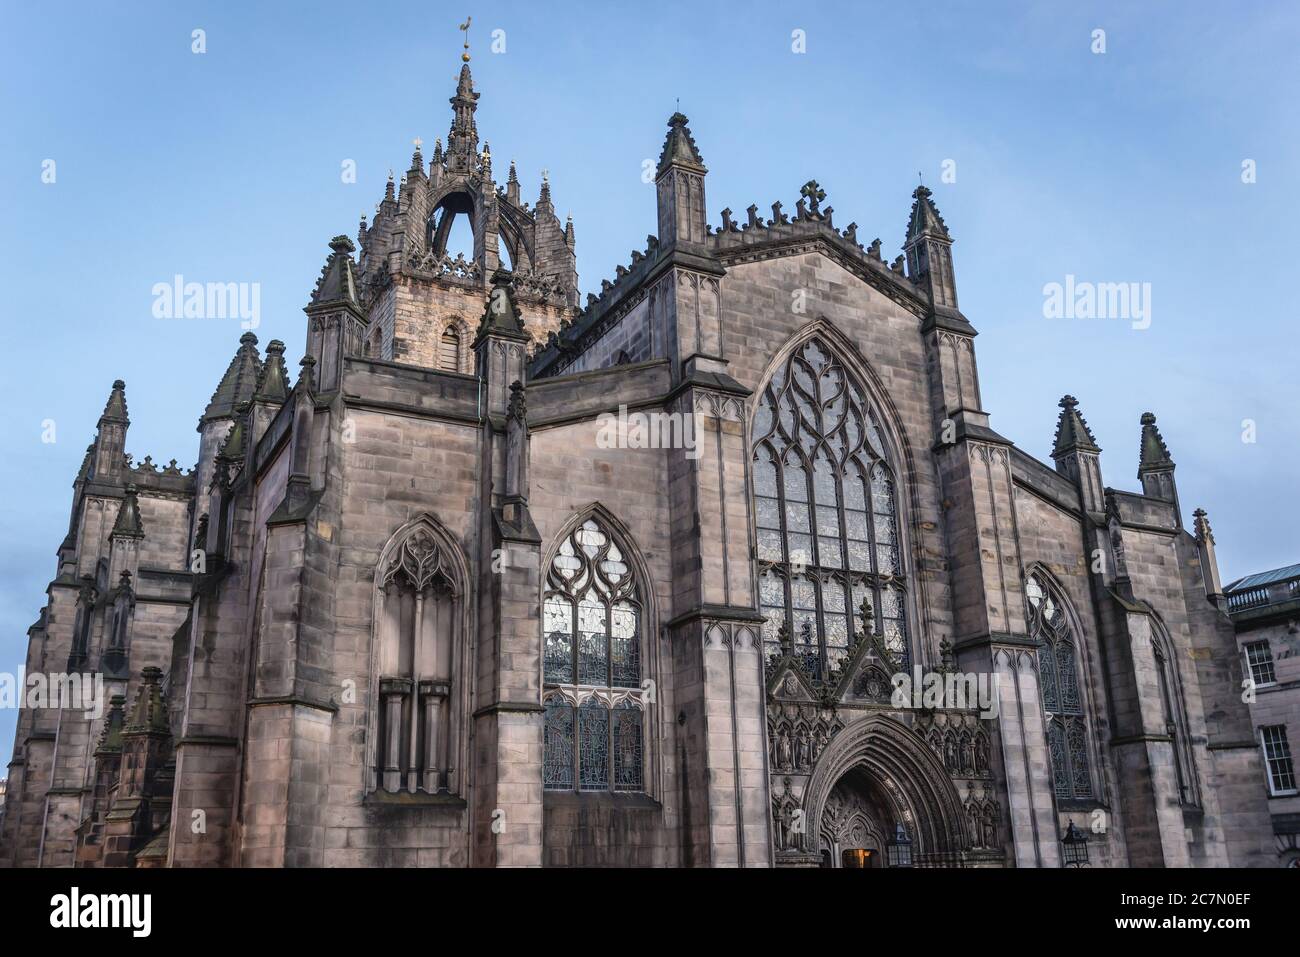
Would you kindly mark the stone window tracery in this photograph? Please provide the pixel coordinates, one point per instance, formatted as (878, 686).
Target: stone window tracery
(1067, 733)
(826, 514)
(595, 712)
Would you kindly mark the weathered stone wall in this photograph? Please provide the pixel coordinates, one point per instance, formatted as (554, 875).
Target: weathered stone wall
(570, 473)
(633, 334)
(391, 469)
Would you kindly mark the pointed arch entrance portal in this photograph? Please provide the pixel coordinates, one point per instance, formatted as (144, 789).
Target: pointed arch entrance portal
(873, 775)
(856, 822)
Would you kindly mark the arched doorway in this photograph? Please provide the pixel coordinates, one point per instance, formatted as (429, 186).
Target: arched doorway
(875, 774)
(855, 821)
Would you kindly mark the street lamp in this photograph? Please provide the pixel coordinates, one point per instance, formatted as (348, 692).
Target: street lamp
(1075, 843)
(899, 849)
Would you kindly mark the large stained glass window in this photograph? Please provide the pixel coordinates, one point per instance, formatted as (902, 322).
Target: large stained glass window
(592, 667)
(826, 514)
(1067, 733)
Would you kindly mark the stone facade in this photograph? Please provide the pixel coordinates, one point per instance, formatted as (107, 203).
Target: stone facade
(418, 608)
(1266, 611)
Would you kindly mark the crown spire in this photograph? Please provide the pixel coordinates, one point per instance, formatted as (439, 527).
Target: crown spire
(462, 141)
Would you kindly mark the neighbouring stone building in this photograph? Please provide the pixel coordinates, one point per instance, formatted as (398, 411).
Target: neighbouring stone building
(421, 603)
(1265, 607)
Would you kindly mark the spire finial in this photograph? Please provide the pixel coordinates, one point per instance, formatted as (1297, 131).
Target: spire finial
(1154, 454)
(1204, 534)
(115, 408)
(1072, 432)
(464, 27)
(925, 218)
(679, 147)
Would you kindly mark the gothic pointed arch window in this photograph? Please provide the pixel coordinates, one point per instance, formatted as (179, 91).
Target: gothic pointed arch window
(1067, 731)
(449, 350)
(418, 688)
(826, 515)
(592, 666)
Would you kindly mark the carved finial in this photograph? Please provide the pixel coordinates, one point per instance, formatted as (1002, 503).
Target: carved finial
(1072, 432)
(867, 617)
(813, 193)
(1202, 525)
(307, 373)
(517, 408)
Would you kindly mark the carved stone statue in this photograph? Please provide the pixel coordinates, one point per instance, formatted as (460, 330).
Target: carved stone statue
(783, 750)
(976, 827)
(990, 826)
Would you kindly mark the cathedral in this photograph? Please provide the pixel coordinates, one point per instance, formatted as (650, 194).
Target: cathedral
(418, 604)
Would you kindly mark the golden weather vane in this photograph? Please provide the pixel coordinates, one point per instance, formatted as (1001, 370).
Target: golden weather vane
(465, 27)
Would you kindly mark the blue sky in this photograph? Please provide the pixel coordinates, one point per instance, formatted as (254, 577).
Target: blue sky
(1117, 167)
